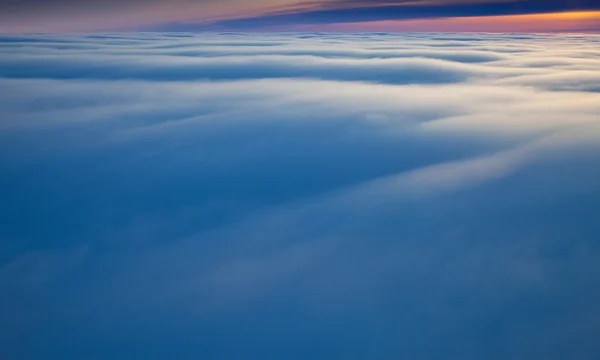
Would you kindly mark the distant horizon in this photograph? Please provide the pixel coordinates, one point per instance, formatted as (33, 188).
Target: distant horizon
(267, 32)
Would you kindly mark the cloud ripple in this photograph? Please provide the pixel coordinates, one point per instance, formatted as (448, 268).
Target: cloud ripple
(283, 196)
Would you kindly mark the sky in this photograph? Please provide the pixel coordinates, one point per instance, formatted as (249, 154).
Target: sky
(307, 195)
(27, 16)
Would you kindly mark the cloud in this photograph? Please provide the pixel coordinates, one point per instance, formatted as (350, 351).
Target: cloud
(30, 16)
(34, 16)
(394, 71)
(299, 195)
(362, 11)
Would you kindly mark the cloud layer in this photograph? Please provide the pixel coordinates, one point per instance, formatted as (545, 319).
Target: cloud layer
(293, 196)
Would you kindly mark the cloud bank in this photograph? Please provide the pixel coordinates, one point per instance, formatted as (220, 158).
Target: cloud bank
(292, 196)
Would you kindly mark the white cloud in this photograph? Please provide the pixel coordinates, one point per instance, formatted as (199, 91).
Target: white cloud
(355, 176)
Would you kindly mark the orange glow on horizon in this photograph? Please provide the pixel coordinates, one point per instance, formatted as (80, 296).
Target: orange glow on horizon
(576, 21)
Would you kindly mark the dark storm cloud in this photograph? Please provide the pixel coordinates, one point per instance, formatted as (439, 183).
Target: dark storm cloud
(363, 11)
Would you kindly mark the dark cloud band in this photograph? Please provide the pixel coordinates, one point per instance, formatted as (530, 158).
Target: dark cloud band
(365, 13)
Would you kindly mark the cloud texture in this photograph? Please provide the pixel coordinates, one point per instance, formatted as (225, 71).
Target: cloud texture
(293, 196)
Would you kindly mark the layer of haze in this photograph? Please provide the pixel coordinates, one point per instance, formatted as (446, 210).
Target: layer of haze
(299, 196)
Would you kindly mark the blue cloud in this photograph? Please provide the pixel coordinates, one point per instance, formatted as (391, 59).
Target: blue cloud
(287, 196)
